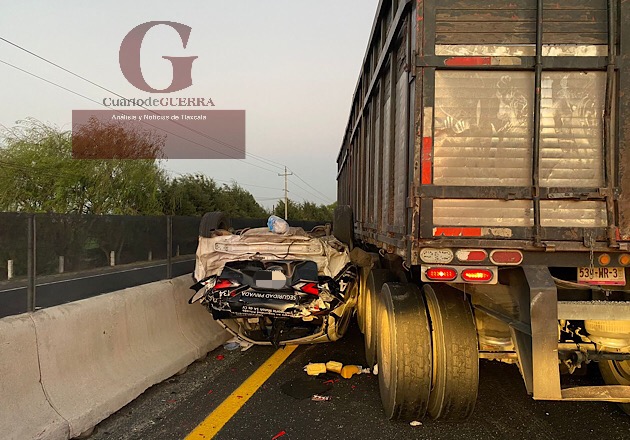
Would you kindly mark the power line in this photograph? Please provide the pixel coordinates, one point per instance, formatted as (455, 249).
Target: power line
(260, 158)
(310, 193)
(313, 188)
(122, 113)
(228, 181)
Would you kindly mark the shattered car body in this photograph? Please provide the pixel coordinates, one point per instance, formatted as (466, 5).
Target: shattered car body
(269, 288)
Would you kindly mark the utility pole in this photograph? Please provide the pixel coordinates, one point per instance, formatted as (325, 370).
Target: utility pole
(286, 192)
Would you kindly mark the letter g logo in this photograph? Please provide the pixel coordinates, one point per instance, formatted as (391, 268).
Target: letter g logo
(129, 58)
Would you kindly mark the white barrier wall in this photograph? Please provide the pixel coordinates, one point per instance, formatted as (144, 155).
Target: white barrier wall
(95, 356)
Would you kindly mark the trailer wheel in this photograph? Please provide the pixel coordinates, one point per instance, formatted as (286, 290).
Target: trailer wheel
(375, 280)
(404, 352)
(616, 373)
(455, 353)
(211, 221)
(343, 225)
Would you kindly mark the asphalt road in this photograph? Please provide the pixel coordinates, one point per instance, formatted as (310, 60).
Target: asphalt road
(504, 411)
(56, 290)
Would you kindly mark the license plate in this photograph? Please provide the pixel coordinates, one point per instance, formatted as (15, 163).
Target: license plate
(602, 276)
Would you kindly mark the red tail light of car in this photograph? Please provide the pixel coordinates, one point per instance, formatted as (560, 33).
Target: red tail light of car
(310, 288)
(223, 284)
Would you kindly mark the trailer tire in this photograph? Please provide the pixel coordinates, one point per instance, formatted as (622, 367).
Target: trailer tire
(211, 221)
(375, 280)
(404, 352)
(343, 225)
(616, 373)
(455, 353)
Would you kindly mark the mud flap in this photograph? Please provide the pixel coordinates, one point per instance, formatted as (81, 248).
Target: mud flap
(536, 341)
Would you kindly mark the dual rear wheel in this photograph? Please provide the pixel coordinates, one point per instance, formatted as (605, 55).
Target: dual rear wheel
(425, 344)
(616, 373)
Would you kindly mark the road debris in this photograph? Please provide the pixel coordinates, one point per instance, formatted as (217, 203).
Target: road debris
(315, 369)
(334, 366)
(346, 371)
(415, 423)
(278, 435)
(231, 345)
(320, 398)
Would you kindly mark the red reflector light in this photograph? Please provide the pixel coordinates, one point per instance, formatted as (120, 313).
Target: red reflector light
(507, 257)
(472, 255)
(310, 288)
(477, 275)
(468, 61)
(441, 274)
(223, 284)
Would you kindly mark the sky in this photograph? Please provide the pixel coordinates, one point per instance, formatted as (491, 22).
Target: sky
(292, 65)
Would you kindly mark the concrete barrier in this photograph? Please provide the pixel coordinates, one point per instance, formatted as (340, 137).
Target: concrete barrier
(25, 413)
(195, 320)
(99, 354)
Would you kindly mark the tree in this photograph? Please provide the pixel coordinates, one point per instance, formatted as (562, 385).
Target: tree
(38, 174)
(190, 194)
(306, 211)
(237, 202)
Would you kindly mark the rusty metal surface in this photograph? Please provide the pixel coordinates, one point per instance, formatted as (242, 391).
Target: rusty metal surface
(622, 178)
(467, 212)
(514, 22)
(474, 126)
(523, 50)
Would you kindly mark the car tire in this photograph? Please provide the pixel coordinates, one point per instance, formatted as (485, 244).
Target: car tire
(341, 324)
(375, 280)
(363, 274)
(616, 373)
(212, 221)
(404, 352)
(343, 225)
(455, 353)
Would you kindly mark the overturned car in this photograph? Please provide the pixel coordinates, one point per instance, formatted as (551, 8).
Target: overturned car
(271, 289)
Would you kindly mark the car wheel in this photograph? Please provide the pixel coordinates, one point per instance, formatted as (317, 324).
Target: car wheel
(365, 271)
(211, 221)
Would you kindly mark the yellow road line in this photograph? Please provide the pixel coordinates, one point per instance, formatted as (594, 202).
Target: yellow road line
(230, 406)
